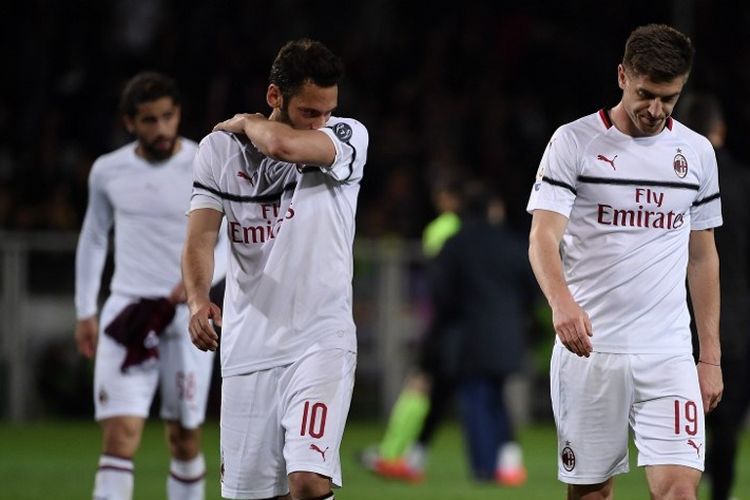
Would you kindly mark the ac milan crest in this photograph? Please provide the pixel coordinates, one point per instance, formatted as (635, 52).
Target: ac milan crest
(680, 164)
(568, 458)
(103, 396)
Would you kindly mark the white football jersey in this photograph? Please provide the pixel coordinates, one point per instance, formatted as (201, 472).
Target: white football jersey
(631, 204)
(147, 203)
(291, 231)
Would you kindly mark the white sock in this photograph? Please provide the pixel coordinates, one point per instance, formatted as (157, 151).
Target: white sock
(186, 479)
(114, 479)
(510, 456)
(416, 456)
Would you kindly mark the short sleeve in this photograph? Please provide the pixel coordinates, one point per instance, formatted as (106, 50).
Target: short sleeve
(554, 187)
(706, 210)
(205, 183)
(350, 138)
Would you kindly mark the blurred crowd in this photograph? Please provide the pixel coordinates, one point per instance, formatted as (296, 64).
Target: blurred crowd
(473, 89)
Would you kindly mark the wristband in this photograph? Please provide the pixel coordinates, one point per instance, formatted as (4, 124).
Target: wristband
(706, 363)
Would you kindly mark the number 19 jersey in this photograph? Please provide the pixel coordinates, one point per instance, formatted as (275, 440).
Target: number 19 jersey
(631, 204)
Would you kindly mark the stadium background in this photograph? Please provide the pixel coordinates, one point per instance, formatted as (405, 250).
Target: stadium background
(472, 87)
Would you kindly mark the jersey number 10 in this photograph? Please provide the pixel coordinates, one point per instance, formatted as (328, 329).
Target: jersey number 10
(314, 419)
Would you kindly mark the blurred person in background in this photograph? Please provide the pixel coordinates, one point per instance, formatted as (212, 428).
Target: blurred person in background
(141, 340)
(480, 290)
(624, 208)
(288, 186)
(426, 395)
(483, 287)
(703, 113)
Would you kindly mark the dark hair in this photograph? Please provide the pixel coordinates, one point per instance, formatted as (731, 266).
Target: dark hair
(476, 199)
(147, 87)
(659, 52)
(700, 112)
(305, 60)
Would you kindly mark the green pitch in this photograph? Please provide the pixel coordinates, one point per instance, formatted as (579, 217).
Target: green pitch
(58, 459)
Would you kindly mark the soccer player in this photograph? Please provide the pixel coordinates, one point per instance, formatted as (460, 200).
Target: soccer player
(287, 186)
(624, 206)
(141, 341)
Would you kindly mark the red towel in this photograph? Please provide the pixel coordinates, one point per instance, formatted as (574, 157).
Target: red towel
(138, 327)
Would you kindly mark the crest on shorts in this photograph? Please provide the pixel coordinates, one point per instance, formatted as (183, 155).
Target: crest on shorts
(567, 457)
(680, 164)
(103, 396)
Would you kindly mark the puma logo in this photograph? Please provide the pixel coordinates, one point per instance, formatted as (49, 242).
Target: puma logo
(246, 177)
(314, 447)
(696, 446)
(605, 159)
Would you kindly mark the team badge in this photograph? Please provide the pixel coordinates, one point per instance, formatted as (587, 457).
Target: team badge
(540, 173)
(343, 131)
(103, 396)
(568, 458)
(680, 164)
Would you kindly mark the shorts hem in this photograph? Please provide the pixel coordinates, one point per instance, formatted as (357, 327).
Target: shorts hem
(99, 416)
(683, 463)
(317, 469)
(244, 494)
(591, 479)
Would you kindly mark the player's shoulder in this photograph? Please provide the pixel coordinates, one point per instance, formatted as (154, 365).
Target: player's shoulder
(189, 145)
(585, 127)
(225, 145)
(696, 140)
(345, 128)
(114, 160)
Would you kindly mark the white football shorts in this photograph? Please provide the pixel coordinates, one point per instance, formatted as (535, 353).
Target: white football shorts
(596, 400)
(182, 372)
(283, 420)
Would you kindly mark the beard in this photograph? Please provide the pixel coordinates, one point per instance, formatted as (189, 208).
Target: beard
(284, 115)
(159, 149)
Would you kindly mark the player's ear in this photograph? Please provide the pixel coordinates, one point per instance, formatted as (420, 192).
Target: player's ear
(621, 76)
(274, 97)
(129, 124)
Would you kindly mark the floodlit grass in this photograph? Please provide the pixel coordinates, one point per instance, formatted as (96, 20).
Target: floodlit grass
(58, 459)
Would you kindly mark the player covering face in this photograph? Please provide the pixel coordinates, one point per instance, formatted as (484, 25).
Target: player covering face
(287, 186)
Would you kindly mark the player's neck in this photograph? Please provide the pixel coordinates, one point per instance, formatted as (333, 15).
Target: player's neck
(620, 119)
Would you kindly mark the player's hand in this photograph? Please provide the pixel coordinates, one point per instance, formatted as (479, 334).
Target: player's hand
(712, 385)
(236, 124)
(573, 327)
(86, 335)
(201, 329)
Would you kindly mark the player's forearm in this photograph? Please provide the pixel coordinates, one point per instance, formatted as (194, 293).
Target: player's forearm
(282, 142)
(197, 272)
(91, 254)
(544, 255)
(703, 281)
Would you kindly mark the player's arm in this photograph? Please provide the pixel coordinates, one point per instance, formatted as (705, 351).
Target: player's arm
(703, 281)
(91, 254)
(197, 275)
(281, 142)
(571, 323)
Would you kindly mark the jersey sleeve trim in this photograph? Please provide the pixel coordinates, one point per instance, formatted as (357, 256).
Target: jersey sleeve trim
(707, 199)
(562, 184)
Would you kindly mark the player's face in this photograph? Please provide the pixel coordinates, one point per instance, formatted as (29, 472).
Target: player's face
(648, 104)
(308, 109)
(155, 127)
